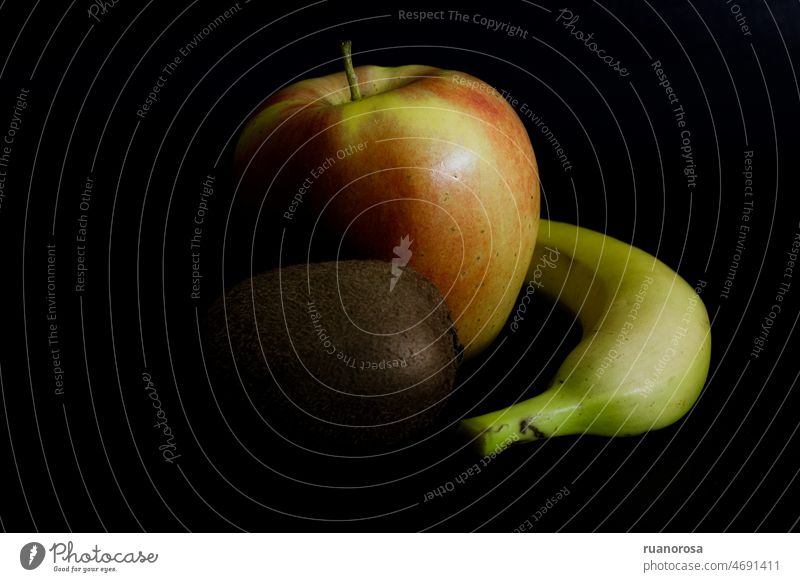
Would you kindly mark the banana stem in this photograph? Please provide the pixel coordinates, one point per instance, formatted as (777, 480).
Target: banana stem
(534, 419)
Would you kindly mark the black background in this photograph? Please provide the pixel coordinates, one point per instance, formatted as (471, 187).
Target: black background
(88, 459)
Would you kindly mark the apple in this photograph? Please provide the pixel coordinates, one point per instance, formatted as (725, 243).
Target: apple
(429, 168)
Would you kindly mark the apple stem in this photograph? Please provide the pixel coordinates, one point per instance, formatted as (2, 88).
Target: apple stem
(352, 79)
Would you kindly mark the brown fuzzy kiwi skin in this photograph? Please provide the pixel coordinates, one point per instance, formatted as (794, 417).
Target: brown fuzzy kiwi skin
(334, 359)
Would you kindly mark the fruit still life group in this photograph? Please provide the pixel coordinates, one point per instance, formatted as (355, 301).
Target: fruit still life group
(400, 209)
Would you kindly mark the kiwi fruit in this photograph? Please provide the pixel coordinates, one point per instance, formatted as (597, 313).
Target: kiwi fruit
(340, 356)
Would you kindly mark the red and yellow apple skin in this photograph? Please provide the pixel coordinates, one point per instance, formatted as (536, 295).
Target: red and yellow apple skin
(431, 154)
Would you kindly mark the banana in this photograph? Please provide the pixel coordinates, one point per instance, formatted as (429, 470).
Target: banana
(644, 353)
